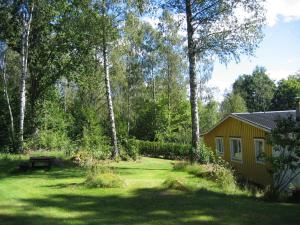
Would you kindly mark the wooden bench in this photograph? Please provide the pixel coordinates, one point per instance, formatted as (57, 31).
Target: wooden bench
(41, 161)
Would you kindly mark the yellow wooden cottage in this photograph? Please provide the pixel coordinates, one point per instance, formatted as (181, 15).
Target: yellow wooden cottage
(240, 137)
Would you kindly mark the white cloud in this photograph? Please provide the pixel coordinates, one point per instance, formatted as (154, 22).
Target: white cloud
(278, 74)
(288, 9)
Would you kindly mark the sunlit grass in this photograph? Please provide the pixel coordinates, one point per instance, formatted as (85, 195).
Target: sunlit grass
(59, 196)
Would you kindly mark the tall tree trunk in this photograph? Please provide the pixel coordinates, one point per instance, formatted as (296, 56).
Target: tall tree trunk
(115, 150)
(128, 71)
(24, 56)
(169, 96)
(12, 125)
(154, 98)
(128, 106)
(193, 77)
(33, 99)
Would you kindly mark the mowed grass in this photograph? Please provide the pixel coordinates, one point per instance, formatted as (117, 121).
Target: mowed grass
(58, 196)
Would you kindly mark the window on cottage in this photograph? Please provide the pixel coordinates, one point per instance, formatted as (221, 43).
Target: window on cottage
(219, 146)
(236, 149)
(259, 150)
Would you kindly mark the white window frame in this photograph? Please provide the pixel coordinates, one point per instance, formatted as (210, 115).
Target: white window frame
(255, 150)
(222, 145)
(231, 150)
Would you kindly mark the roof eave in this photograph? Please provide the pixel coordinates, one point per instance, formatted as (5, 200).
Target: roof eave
(266, 129)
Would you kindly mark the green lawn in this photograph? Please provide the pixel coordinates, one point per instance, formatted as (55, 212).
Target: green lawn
(58, 197)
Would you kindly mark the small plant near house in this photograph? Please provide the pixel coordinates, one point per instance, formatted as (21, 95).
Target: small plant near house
(224, 176)
(195, 169)
(206, 155)
(219, 171)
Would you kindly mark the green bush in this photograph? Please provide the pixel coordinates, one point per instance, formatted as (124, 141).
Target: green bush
(195, 169)
(128, 149)
(164, 150)
(104, 180)
(175, 184)
(224, 176)
(52, 123)
(180, 166)
(96, 144)
(48, 140)
(101, 175)
(206, 155)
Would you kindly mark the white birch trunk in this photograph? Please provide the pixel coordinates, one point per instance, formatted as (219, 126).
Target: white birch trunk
(115, 150)
(12, 126)
(24, 56)
(193, 78)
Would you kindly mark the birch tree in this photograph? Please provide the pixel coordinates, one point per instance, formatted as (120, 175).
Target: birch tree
(26, 11)
(5, 87)
(222, 29)
(107, 36)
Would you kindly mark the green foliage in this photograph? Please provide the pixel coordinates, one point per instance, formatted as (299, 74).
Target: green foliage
(257, 89)
(104, 180)
(53, 125)
(202, 155)
(206, 155)
(180, 166)
(48, 140)
(232, 103)
(131, 151)
(100, 175)
(219, 171)
(93, 139)
(224, 176)
(209, 114)
(165, 150)
(286, 92)
(195, 169)
(284, 162)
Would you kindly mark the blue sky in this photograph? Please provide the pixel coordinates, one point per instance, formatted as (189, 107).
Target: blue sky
(279, 52)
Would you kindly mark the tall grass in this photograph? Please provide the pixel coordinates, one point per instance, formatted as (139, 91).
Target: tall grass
(220, 172)
(102, 176)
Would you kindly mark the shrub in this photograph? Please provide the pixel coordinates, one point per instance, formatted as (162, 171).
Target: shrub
(181, 166)
(128, 149)
(224, 176)
(104, 180)
(95, 143)
(102, 176)
(164, 150)
(48, 140)
(206, 155)
(175, 184)
(195, 169)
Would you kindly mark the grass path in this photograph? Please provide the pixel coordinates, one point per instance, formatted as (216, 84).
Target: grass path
(56, 197)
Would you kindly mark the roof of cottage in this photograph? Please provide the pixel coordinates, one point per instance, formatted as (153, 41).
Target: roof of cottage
(264, 120)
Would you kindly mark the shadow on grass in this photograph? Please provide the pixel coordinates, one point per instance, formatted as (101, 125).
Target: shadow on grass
(154, 206)
(9, 167)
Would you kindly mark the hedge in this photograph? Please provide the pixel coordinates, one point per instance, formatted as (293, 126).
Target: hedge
(162, 150)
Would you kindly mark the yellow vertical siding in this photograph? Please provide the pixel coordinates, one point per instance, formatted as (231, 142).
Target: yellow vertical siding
(249, 168)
